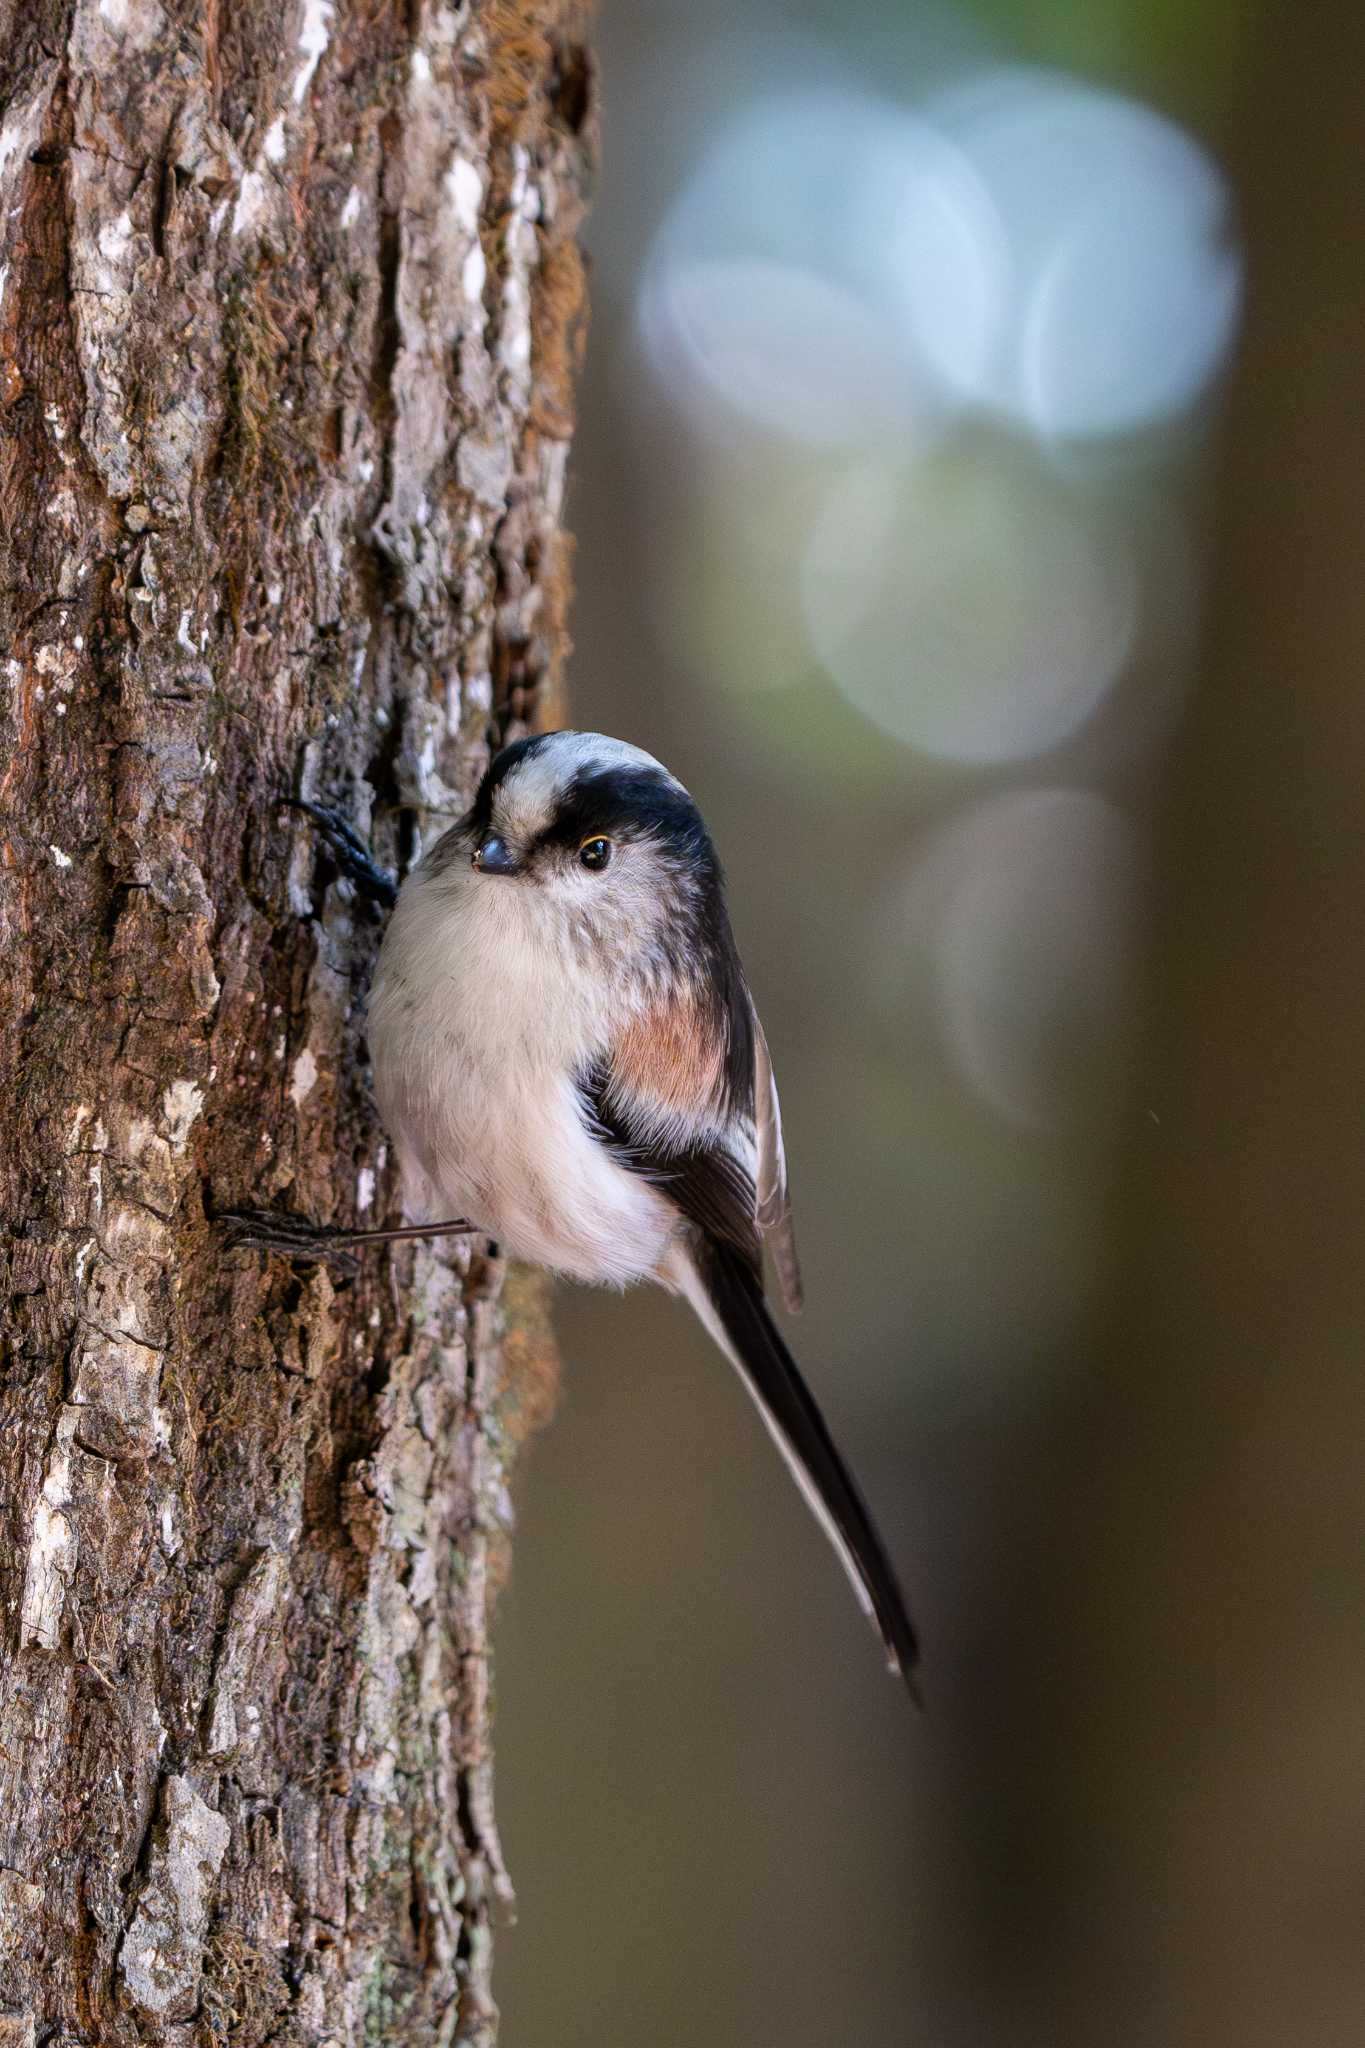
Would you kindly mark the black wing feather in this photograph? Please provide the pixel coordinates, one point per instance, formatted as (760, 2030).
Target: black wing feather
(708, 1184)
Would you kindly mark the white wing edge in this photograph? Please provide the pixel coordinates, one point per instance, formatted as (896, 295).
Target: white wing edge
(772, 1207)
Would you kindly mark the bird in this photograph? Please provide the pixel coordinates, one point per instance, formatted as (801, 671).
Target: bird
(567, 1059)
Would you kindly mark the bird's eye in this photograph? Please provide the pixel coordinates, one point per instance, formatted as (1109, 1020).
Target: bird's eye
(595, 853)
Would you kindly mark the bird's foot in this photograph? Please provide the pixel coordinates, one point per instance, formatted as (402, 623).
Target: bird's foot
(350, 853)
(295, 1237)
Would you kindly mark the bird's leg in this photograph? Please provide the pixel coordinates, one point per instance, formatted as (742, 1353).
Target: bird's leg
(350, 853)
(401, 1233)
(294, 1237)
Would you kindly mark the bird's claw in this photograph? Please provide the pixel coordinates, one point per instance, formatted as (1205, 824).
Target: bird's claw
(293, 1237)
(350, 852)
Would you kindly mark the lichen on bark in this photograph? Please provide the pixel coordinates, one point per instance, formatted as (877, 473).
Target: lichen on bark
(289, 307)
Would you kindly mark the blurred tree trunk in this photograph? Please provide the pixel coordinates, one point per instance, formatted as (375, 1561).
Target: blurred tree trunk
(289, 297)
(1210, 1571)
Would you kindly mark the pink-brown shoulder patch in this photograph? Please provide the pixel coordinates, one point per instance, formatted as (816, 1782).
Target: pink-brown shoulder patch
(671, 1055)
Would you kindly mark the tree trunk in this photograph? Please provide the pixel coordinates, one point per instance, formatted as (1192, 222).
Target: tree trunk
(289, 299)
(1204, 1592)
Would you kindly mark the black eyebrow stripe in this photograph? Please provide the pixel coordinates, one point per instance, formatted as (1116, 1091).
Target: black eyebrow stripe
(638, 802)
(480, 813)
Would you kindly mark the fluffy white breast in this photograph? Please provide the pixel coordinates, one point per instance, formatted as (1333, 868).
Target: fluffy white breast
(485, 1005)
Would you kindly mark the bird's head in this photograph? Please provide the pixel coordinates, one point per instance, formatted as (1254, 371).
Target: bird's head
(589, 824)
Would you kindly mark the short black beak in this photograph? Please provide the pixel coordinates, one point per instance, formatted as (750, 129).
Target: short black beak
(495, 857)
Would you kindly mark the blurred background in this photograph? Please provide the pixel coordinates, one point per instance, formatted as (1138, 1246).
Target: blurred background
(967, 511)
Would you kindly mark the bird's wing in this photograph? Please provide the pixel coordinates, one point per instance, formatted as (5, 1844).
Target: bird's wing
(708, 1183)
(718, 1265)
(693, 1067)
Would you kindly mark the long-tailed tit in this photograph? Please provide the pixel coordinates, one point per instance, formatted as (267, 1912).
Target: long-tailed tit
(567, 1057)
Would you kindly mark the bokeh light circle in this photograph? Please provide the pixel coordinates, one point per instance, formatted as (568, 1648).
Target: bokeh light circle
(967, 609)
(823, 255)
(1033, 955)
(1028, 245)
(1125, 282)
(1009, 937)
(796, 353)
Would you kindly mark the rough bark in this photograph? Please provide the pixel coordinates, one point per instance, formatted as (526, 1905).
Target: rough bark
(289, 296)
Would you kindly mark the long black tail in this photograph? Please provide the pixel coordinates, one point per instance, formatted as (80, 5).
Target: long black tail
(739, 1317)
